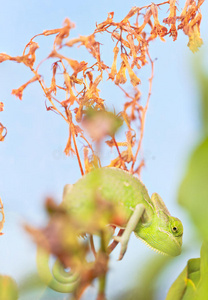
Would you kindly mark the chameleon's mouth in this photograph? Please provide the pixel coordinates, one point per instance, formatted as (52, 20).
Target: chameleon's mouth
(151, 247)
(173, 250)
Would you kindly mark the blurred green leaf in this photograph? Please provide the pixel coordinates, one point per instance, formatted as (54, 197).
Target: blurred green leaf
(202, 289)
(30, 283)
(177, 289)
(191, 284)
(101, 123)
(193, 192)
(184, 285)
(202, 80)
(145, 287)
(8, 288)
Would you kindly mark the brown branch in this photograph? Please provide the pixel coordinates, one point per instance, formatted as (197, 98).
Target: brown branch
(92, 245)
(113, 245)
(47, 96)
(144, 110)
(77, 152)
(119, 153)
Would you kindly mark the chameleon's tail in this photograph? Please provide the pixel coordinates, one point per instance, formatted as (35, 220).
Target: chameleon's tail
(59, 279)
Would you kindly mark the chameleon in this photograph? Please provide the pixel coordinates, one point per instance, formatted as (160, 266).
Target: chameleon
(147, 217)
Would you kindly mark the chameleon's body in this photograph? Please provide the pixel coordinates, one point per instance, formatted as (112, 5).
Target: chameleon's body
(127, 191)
(147, 217)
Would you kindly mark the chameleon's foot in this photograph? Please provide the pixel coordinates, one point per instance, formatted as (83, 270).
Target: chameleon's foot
(123, 243)
(131, 225)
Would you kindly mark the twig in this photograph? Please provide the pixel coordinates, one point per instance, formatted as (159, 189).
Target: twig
(102, 277)
(119, 153)
(144, 110)
(77, 152)
(92, 245)
(113, 245)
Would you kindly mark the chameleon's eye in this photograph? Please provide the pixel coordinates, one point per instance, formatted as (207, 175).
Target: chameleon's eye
(176, 227)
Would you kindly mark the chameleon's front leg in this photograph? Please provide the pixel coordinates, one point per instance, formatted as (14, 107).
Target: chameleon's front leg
(131, 225)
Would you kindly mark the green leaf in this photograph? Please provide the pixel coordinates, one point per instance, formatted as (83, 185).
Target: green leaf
(31, 283)
(177, 289)
(202, 288)
(191, 284)
(144, 288)
(202, 80)
(193, 192)
(8, 288)
(184, 286)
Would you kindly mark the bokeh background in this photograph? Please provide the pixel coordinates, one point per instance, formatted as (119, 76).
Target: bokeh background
(32, 162)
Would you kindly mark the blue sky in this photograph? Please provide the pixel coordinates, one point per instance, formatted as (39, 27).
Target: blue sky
(32, 162)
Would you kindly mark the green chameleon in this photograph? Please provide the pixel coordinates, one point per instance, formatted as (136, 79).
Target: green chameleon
(147, 217)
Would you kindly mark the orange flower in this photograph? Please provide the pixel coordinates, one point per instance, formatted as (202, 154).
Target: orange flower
(171, 20)
(27, 59)
(118, 36)
(19, 92)
(132, 46)
(192, 29)
(4, 56)
(107, 22)
(113, 68)
(173, 32)
(3, 133)
(157, 29)
(133, 78)
(121, 75)
(195, 40)
(1, 106)
(130, 14)
(63, 32)
(147, 17)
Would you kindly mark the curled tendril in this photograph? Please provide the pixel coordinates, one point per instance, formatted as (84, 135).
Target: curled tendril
(61, 275)
(58, 279)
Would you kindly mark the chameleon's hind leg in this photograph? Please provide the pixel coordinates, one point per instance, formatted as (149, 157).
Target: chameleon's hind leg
(131, 225)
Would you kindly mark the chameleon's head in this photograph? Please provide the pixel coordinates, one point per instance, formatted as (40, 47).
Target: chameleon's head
(164, 233)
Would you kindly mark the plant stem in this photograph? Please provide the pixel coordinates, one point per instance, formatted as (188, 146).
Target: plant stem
(102, 277)
(77, 153)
